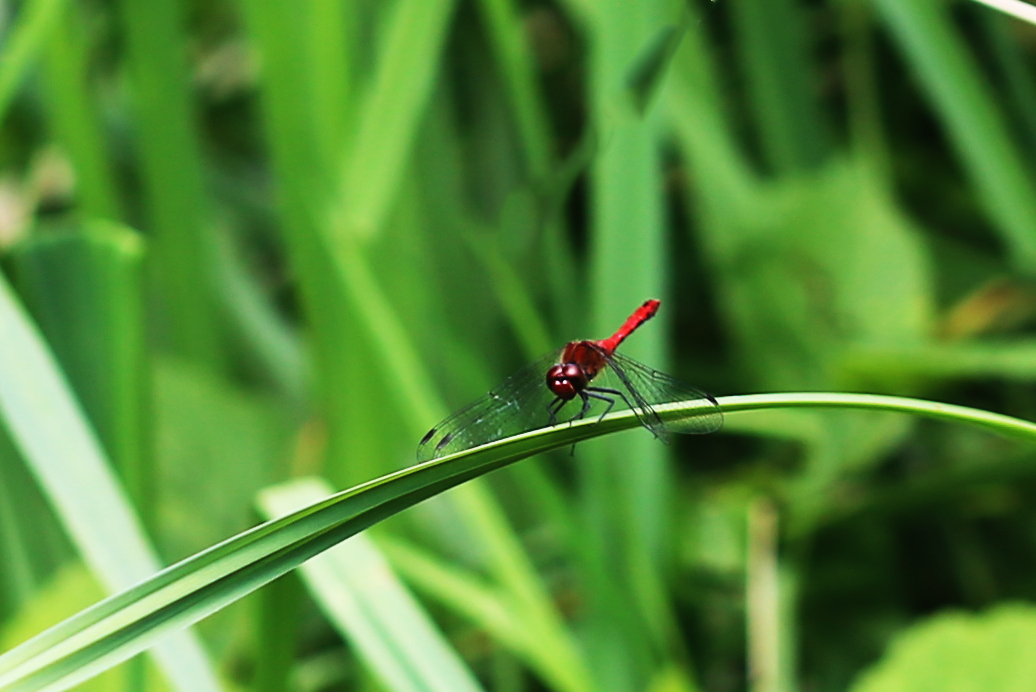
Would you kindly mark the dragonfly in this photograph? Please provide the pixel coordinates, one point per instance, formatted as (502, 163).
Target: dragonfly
(582, 372)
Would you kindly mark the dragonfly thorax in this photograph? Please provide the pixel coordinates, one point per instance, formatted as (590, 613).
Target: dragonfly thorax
(566, 380)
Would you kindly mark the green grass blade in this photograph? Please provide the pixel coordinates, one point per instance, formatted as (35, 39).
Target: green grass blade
(1015, 359)
(360, 594)
(74, 118)
(127, 623)
(407, 65)
(23, 45)
(85, 289)
(486, 608)
(46, 425)
(172, 171)
(507, 37)
(332, 45)
(277, 632)
(703, 131)
(1015, 8)
(1006, 426)
(963, 100)
(1019, 79)
(301, 176)
(648, 71)
(277, 349)
(772, 43)
(511, 292)
(863, 104)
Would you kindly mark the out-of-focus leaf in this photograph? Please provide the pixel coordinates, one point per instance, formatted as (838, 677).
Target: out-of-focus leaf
(647, 72)
(774, 47)
(72, 589)
(55, 440)
(818, 264)
(1013, 359)
(826, 261)
(408, 62)
(963, 100)
(208, 428)
(991, 651)
(1015, 8)
(172, 174)
(85, 287)
(361, 595)
(626, 503)
(36, 20)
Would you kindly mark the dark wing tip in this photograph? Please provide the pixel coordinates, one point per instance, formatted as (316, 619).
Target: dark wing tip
(428, 437)
(444, 441)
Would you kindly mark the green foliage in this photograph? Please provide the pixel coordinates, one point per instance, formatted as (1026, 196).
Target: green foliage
(250, 241)
(960, 651)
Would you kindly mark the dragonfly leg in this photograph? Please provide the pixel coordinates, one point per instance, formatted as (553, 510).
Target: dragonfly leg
(614, 392)
(596, 394)
(636, 412)
(553, 408)
(586, 407)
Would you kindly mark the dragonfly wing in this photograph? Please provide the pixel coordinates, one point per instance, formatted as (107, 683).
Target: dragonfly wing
(517, 405)
(647, 387)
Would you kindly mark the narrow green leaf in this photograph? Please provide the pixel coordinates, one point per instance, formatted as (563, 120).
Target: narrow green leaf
(47, 426)
(22, 46)
(649, 69)
(1019, 79)
(74, 119)
(367, 603)
(127, 623)
(332, 42)
(85, 286)
(772, 41)
(407, 65)
(509, 40)
(704, 131)
(962, 98)
(487, 608)
(1015, 8)
(181, 247)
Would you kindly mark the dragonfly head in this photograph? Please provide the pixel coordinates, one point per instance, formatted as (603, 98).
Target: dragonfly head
(566, 380)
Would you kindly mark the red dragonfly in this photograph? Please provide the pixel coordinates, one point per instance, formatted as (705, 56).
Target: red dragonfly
(525, 401)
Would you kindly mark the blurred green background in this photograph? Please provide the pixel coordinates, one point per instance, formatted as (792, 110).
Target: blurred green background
(268, 239)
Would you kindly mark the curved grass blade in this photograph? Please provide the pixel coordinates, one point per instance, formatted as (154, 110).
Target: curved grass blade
(127, 623)
(1015, 8)
(361, 595)
(61, 450)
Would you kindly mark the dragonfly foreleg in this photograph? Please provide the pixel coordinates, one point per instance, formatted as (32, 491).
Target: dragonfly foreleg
(596, 394)
(586, 407)
(553, 408)
(599, 392)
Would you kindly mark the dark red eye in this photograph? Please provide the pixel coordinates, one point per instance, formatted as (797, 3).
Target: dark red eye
(566, 380)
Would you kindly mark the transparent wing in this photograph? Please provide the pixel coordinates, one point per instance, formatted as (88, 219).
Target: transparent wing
(517, 405)
(647, 387)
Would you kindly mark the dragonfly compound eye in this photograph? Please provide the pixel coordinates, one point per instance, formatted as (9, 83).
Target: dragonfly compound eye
(566, 380)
